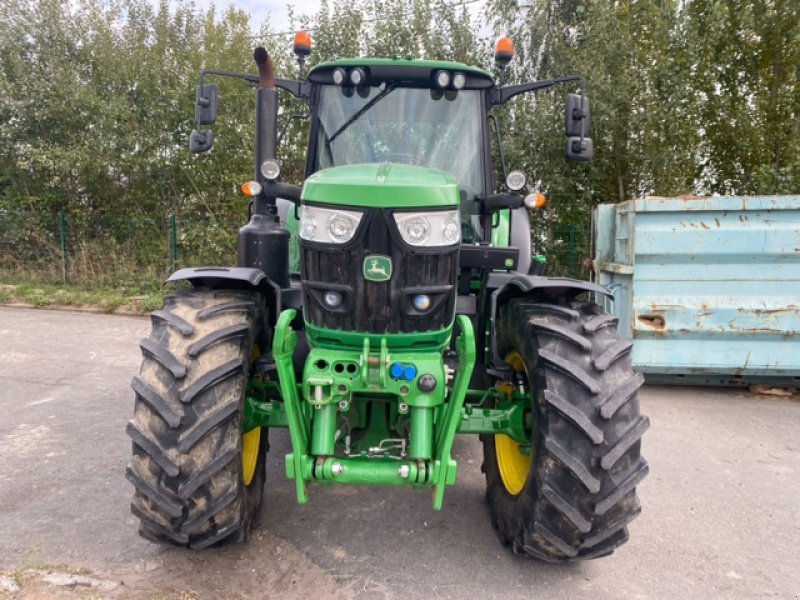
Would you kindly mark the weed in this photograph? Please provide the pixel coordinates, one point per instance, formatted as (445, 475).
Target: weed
(133, 299)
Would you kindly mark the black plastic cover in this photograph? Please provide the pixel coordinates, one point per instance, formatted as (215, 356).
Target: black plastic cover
(206, 104)
(200, 141)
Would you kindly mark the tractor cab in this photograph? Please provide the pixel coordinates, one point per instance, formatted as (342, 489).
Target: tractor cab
(425, 113)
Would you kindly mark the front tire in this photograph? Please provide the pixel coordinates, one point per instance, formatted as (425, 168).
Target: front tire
(572, 493)
(198, 479)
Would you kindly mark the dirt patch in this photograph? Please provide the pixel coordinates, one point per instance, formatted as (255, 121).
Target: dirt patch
(264, 568)
(763, 389)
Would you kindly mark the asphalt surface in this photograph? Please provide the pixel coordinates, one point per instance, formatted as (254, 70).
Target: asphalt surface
(721, 514)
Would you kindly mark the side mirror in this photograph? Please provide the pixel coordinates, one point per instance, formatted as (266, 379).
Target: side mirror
(581, 150)
(200, 141)
(206, 103)
(576, 115)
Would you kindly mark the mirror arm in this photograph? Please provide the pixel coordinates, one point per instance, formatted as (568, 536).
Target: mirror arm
(503, 94)
(275, 189)
(298, 89)
(497, 202)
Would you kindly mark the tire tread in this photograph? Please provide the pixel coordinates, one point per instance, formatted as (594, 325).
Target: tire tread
(186, 429)
(581, 491)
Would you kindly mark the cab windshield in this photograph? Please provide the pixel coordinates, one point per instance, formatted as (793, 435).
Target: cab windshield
(414, 126)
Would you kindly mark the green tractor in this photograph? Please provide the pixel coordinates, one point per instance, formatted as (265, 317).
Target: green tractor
(387, 305)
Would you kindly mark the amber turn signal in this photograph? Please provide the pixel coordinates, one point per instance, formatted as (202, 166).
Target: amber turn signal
(535, 201)
(251, 188)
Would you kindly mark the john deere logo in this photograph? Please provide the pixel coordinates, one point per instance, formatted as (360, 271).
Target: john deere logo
(377, 268)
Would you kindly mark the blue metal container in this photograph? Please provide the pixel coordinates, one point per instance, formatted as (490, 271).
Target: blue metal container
(708, 287)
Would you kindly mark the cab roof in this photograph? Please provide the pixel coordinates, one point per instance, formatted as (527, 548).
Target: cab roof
(413, 71)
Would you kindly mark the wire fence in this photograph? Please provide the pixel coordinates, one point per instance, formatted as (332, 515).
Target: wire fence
(127, 249)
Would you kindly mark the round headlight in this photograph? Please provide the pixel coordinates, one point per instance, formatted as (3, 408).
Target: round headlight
(417, 230)
(422, 302)
(338, 76)
(308, 227)
(459, 80)
(357, 76)
(341, 228)
(442, 79)
(450, 231)
(270, 169)
(515, 181)
(332, 299)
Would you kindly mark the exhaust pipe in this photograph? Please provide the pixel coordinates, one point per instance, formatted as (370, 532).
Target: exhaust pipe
(266, 116)
(264, 241)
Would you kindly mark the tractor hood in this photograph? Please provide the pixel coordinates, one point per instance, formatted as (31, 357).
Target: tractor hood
(383, 185)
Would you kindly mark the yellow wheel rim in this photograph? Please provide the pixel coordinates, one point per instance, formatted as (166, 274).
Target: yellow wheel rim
(511, 462)
(251, 441)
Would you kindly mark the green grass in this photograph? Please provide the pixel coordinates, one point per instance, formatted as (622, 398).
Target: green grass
(130, 299)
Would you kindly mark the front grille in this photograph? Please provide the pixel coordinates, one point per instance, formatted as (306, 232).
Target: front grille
(374, 307)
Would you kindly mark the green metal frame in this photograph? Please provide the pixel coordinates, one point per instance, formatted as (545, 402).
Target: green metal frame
(435, 420)
(336, 379)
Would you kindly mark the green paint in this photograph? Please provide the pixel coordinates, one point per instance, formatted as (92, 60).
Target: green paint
(283, 347)
(260, 412)
(377, 268)
(386, 185)
(354, 385)
(323, 430)
(377, 424)
(403, 62)
(292, 226)
(370, 471)
(501, 228)
(446, 470)
(334, 376)
(507, 418)
(421, 434)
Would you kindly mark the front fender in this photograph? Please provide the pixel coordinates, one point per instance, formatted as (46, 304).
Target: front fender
(239, 278)
(549, 289)
(523, 285)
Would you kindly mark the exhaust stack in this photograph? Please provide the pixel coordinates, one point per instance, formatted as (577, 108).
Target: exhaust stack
(264, 241)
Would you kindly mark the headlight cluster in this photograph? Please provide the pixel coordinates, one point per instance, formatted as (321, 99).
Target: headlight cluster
(338, 226)
(328, 226)
(444, 79)
(440, 228)
(356, 76)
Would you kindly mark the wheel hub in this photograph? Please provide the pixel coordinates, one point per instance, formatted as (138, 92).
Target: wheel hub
(512, 462)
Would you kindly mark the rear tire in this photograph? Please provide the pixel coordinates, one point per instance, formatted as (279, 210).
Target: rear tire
(580, 490)
(187, 466)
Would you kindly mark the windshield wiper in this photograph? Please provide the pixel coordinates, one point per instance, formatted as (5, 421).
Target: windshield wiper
(357, 115)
